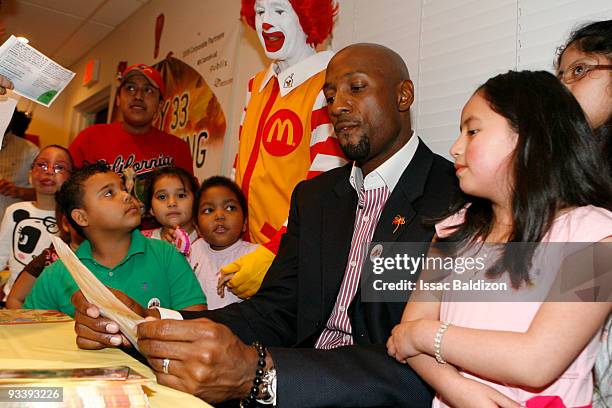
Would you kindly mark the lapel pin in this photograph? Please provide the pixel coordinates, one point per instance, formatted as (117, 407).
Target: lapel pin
(397, 221)
(376, 252)
(288, 81)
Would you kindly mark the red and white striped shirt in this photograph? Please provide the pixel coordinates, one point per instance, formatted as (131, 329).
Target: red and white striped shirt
(373, 192)
(338, 330)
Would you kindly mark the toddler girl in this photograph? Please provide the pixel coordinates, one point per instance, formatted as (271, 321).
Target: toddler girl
(220, 212)
(170, 200)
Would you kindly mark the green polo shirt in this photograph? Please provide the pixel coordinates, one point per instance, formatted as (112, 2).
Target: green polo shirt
(152, 269)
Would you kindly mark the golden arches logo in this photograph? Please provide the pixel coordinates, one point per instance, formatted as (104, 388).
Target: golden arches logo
(282, 133)
(280, 128)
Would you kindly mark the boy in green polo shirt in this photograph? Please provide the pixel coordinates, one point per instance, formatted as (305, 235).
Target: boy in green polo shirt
(150, 271)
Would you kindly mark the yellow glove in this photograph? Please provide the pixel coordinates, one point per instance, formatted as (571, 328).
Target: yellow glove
(249, 271)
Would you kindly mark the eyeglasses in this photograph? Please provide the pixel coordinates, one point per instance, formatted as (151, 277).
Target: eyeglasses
(578, 71)
(44, 166)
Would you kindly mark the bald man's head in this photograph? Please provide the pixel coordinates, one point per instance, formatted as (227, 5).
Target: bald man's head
(383, 59)
(369, 93)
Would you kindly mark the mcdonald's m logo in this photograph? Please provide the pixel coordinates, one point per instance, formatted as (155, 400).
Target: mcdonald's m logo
(282, 133)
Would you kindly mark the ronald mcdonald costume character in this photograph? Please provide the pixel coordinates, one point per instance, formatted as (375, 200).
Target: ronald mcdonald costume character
(285, 133)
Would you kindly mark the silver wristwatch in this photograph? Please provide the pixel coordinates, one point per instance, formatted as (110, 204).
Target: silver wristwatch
(268, 388)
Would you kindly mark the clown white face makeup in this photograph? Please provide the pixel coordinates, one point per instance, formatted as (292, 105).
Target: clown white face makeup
(280, 33)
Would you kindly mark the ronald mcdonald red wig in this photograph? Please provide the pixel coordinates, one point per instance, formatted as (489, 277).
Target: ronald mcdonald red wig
(316, 17)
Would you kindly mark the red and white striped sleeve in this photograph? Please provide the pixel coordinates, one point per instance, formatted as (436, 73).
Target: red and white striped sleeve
(325, 153)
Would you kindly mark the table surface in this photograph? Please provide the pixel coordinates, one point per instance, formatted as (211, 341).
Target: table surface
(53, 345)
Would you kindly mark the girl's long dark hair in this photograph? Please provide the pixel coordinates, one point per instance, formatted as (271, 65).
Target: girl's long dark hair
(556, 165)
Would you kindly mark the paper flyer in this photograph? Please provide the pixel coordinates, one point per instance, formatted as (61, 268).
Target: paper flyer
(34, 75)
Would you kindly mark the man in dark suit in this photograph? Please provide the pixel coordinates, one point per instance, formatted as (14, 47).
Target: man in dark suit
(325, 345)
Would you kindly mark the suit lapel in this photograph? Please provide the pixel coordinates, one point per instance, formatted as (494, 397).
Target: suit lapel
(379, 318)
(399, 212)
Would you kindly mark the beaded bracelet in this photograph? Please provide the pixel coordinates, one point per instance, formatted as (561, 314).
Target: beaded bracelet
(438, 342)
(250, 401)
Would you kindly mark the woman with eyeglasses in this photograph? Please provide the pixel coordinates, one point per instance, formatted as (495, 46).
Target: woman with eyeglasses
(584, 65)
(27, 226)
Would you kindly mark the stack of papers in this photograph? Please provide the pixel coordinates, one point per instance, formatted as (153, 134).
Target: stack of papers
(31, 316)
(79, 387)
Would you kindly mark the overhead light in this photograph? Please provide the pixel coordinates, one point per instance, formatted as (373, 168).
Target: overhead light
(23, 40)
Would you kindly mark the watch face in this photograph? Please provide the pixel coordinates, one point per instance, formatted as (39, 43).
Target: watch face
(268, 389)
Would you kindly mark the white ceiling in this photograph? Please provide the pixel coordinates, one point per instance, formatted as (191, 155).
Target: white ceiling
(64, 29)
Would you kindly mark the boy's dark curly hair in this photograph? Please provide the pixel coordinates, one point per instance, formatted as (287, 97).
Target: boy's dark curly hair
(70, 195)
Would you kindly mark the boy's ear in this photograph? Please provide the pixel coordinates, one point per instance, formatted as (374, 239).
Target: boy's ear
(79, 215)
(244, 226)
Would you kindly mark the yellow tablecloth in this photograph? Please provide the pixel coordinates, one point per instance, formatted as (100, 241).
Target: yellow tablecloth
(53, 345)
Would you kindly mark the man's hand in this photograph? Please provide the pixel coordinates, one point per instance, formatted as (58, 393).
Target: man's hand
(5, 84)
(247, 272)
(206, 358)
(95, 332)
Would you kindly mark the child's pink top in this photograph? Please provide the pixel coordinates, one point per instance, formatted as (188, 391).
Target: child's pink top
(206, 263)
(575, 386)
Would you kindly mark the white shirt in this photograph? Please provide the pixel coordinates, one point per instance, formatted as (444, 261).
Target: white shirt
(388, 173)
(25, 231)
(297, 74)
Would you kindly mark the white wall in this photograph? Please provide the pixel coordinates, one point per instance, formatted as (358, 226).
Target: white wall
(453, 46)
(47, 123)
(450, 47)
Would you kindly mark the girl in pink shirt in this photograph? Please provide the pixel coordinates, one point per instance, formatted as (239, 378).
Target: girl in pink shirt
(529, 173)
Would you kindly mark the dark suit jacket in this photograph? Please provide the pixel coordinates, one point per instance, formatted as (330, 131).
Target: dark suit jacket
(300, 289)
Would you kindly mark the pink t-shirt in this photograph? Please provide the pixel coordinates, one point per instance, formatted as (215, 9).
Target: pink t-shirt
(575, 385)
(206, 263)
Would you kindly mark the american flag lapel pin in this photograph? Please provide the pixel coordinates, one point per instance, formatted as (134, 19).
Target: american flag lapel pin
(397, 221)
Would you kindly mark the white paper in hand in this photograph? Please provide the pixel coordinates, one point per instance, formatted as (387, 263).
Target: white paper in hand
(34, 75)
(98, 294)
